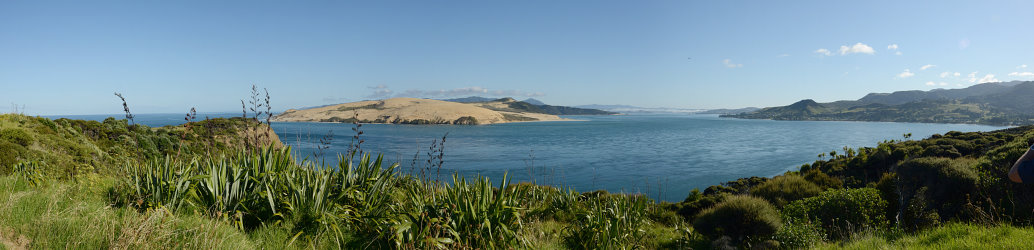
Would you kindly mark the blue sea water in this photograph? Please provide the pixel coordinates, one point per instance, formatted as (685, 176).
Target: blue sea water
(663, 156)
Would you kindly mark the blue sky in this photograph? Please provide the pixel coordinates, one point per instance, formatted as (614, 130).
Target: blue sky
(69, 57)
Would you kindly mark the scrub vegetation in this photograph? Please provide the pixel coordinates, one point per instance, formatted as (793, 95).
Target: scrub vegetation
(217, 184)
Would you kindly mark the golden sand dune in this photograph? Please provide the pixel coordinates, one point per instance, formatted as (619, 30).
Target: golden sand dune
(418, 111)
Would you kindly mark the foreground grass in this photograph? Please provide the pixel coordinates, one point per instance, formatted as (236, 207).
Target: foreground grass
(67, 214)
(950, 236)
(76, 215)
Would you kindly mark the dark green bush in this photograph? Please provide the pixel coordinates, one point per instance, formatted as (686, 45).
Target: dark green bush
(697, 202)
(466, 120)
(743, 218)
(9, 155)
(16, 136)
(664, 213)
(823, 180)
(799, 234)
(785, 189)
(888, 187)
(948, 184)
(841, 211)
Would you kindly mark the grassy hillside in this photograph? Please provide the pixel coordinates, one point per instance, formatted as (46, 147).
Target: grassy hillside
(76, 146)
(910, 194)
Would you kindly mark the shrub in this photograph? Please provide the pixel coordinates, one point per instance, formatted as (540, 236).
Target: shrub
(799, 234)
(841, 211)
(665, 214)
(785, 189)
(17, 136)
(9, 155)
(466, 120)
(743, 218)
(823, 180)
(948, 184)
(697, 202)
(888, 187)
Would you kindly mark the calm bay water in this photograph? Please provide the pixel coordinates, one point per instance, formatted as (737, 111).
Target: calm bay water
(662, 156)
(659, 155)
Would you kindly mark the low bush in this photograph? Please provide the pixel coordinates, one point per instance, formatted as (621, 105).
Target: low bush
(784, 189)
(823, 180)
(16, 136)
(947, 184)
(841, 211)
(799, 234)
(10, 153)
(742, 218)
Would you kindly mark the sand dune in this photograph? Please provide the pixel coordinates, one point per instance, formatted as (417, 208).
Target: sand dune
(417, 111)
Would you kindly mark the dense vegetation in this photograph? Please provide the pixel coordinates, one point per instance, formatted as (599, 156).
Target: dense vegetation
(194, 192)
(988, 103)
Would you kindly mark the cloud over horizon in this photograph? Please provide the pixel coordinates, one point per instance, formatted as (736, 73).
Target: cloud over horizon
(383, 92)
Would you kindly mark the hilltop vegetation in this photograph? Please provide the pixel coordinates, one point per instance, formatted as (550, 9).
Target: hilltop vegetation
(987, 103)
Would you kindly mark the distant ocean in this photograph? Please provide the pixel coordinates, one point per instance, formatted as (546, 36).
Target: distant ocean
(663, 156)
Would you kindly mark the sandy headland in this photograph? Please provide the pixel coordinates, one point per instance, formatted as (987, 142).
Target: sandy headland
(421, 111)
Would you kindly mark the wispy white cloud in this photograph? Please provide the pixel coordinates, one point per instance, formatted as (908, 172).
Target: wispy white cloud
(824, 52)
(895, 48)
(946, 74)
(857, 48)
(936, 83)
(1021, 66)
(906, 74)
(1022, 74)
(928, 66)
(728, 63)
(381, 92)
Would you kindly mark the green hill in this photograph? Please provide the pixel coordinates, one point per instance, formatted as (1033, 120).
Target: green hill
(988, 103)
(73, 147)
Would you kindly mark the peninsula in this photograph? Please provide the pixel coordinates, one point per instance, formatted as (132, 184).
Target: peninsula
(422, 111)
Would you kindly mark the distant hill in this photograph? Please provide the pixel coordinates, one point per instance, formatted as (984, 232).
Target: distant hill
(729, 111)
(533, 101)
(536, 106)
(1005, 103)
(562, 110)
(628, 109)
